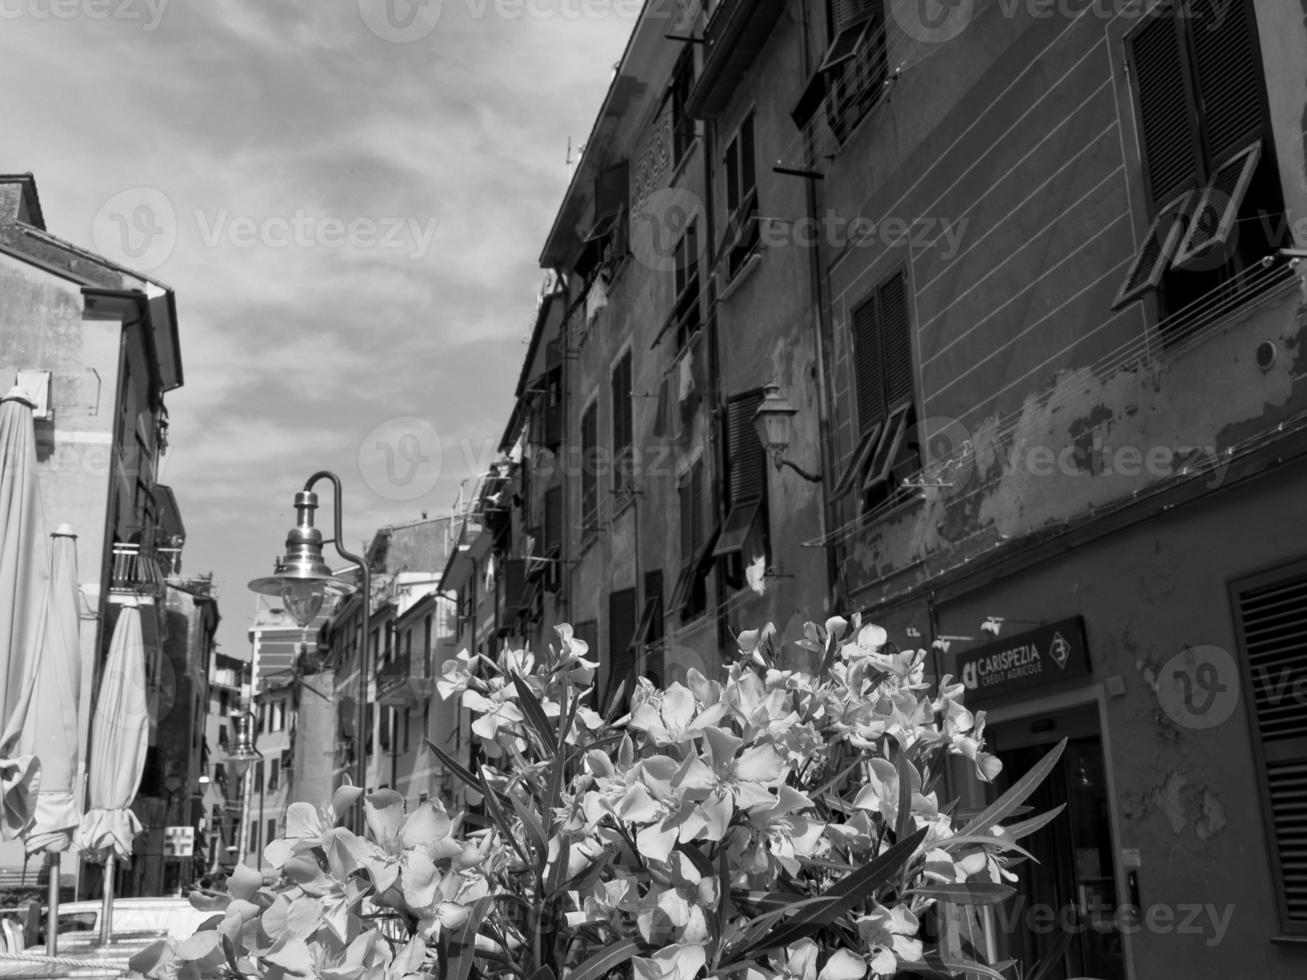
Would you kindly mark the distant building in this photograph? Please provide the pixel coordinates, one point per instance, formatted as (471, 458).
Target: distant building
(96, 348)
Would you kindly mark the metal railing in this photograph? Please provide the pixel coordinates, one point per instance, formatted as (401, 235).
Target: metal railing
(135, 571)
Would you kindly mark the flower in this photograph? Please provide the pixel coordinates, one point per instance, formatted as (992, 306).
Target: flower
(674, 718)
(890, 938)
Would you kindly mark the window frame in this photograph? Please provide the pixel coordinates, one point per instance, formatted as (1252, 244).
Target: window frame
(589, 484)
(742, 235)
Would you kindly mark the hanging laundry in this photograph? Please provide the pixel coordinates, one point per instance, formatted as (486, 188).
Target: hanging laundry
(685, 387)
(661, 426)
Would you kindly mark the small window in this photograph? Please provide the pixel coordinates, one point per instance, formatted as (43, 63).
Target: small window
(687, 313)
(743, 538)
(689, 597)
(742, 237)
(679, 94)
(623, 438)
(590, 464)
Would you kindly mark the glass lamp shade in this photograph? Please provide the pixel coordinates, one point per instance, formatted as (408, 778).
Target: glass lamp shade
(242, 751)
(774, 420)
(303, 599)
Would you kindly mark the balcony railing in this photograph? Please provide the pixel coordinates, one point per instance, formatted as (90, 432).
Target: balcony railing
(406, 679)
(135, 572)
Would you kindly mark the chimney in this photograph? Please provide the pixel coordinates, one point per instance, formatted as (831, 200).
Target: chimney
(19, 201)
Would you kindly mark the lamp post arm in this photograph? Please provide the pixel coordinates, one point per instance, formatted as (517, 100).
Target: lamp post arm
(810, 477)
(365, 667)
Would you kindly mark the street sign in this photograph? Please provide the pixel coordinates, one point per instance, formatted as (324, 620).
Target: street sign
(1045, 655)
(178, 842)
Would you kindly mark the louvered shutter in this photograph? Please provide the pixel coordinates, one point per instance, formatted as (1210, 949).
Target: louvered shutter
(687, 523)
(1214, 218)
(896, 340)
(696, 508)
(621, 625)
(1272, 618)
(553, 520)
(745, 457)
(589, 465)
(1166, 119)
(850, 12)
(868, 369)
(1156, 251)
(1226, 68)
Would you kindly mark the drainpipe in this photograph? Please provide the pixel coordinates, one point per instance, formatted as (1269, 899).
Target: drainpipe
(821, 326)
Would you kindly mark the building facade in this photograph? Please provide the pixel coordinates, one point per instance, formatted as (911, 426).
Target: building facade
(1027, 274)
(96, 348)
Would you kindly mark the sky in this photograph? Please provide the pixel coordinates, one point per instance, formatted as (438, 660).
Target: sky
(349, 198)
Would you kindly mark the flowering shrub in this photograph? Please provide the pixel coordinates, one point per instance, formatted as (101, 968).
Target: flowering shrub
(772, 825)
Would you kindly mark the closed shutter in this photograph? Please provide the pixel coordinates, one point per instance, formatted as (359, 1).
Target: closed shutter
(622, 427)
(868, 369)
(553, 520)
(621, 626)
(896, 340)
(514, 585)
(1228, 75)
(1166, 117)
(687, 522)
(696, 508)
(590, 466)
(1273, 619)
(850, 12)
(745, 456)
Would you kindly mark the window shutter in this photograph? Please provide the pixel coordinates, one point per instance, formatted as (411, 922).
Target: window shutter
(589, 464)
(696, 508)
(1271, 618)
(621, 627)
(868, 370)
(1169, 148)
(1218, 208)
(611, 191)
(1228, 74)
(1156, 250)
(553, 520)
(687, 522)
(896, 340)
(745, 455)
(850, 12)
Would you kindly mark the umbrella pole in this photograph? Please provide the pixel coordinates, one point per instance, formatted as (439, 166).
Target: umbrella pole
(106, 909)
(52, 908)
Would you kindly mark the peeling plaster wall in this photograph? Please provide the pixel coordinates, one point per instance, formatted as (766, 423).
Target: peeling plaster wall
(1187, 798)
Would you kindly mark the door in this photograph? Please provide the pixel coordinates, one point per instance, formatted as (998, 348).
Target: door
(1066, 907)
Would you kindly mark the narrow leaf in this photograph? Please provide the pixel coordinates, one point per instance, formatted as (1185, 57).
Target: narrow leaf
(497, 814)
(904, 823)
(985, 841)
(462, 945)
(1017, 792)
(605, 960)
(968, 892)
(535, 714)
(453, 766)
(1015, 831)
(841, 896)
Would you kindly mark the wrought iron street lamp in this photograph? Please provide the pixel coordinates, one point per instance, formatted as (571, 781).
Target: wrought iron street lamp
(302, 580)
(774, 422)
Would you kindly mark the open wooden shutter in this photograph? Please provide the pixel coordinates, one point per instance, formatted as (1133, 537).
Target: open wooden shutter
(1156, 250)
(1271, 618)
(553, 520)
(1214, 218)
(745, 456)
(1166, 117)
(589, 467)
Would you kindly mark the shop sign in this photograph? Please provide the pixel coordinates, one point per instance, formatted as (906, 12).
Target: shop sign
(178, 842)
(1046, 655)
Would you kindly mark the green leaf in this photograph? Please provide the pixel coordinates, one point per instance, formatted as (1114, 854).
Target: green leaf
(936, 966)
(560, 867)
(534, 827)
(1017, 792)
(985, 841)
(1053, 959)
(840, 897)
(967, 892)
(496, 810)
(462, 943)
(544, 973)
(1015, 831)
(535, 714)
(604, 960)
(904, 823)
(453, 766)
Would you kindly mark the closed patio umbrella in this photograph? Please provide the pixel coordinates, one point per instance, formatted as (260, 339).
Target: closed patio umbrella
(120, 734)
(24, 571)
(51, 733)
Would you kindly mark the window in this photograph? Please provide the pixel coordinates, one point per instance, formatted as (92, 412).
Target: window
(689, 596)
(547, 415)
(742, 237)
(606, 242)
(274, 774)
(743, 537)
(588, 631)
(623, 450)
(687, 314)
(387, 727)
(1269, 609)
(590, 469)
(883, 381)
(427, 625)
(408, 726)
(1214, 195)
(682, 123)
(272, 832)
(856, 64)
(621, 633)
(649, 630)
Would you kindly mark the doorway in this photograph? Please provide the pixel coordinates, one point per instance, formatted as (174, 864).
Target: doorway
(1066, 908)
